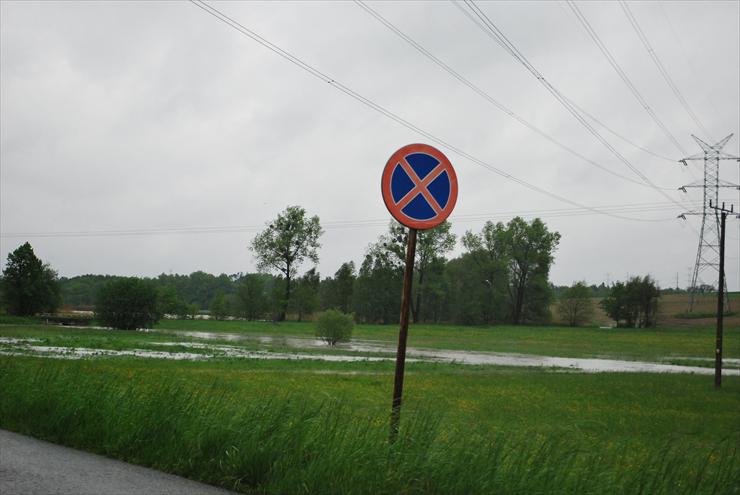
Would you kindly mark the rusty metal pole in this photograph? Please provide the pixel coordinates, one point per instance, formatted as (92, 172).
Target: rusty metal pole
(402, 335)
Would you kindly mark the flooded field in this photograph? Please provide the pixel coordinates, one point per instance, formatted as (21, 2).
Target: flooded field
(355, 351)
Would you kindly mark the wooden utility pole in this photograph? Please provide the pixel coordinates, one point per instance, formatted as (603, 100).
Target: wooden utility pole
(408, 276)
(723, 212)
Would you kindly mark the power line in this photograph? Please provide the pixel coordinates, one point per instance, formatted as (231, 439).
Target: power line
(387, 113)
(348, 224)
(498, 36)
(489, 98)
(612, 131)
(689, 63)
(610, 58)
(661, 68)
(600, 123)
(618, 135)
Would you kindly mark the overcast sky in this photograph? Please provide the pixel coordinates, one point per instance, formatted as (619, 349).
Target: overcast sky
(129, 130)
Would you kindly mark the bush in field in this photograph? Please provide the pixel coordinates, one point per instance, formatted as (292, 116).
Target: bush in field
(127, 304)
(333, 326)
(633, 303)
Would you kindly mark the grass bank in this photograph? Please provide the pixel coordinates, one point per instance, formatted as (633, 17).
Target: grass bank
(307, 427)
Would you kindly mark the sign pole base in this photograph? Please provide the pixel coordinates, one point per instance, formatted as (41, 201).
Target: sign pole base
(402, 335)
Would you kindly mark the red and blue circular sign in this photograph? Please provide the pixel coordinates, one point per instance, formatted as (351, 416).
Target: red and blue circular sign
(419, 186)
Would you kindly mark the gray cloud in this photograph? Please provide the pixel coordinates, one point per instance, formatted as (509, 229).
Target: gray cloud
(119, 116)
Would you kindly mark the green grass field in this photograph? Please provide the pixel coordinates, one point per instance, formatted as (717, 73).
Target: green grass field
(321, 427)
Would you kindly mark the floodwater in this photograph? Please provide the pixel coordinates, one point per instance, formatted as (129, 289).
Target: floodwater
(12, 340)
(732, 361)
(23, 347)
(356, 345)
(589, 365)
(15, 346)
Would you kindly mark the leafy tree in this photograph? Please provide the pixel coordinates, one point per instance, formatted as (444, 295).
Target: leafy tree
(617, 305)
(28, 286)
(530, 253)
(127, 304)
(634, 303)
(306, 297)
(333, 326)
(251, 300)
(276, 297)
(285, 244)
(377, 296)
(433, 306)
(170, 302)
(337, 292)
(191, 311)
(219, 307)
(198, 288)
(515, 260)
(647, 294)
(202, 287)
(431, 246)
(485, 270)
(80, 291)
(345, 286)
(468, 297)
(575, 305)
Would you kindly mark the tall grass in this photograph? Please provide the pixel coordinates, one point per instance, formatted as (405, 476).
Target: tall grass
(286, 445)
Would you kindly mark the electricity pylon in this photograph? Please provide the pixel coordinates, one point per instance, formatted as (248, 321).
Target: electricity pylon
(707, 256)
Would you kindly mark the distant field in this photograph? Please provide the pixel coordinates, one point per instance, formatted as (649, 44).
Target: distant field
(670, 305)
(676, 304)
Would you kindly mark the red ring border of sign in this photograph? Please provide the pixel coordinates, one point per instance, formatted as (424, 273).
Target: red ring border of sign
(385, 186)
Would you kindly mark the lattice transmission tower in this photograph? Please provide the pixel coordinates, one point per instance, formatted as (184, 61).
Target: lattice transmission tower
(707, 255)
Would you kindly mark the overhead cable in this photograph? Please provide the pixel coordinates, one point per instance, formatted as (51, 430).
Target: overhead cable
(490, 99)
(489, 28)
(662, 69)
(350, 224)
(387, 113)
(630, 85)
(618, 135)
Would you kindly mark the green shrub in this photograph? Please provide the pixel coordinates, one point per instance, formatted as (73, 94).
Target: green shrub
(333, 326)
(128, 304)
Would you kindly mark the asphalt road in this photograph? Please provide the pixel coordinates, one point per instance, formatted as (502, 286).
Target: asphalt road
(34, 467)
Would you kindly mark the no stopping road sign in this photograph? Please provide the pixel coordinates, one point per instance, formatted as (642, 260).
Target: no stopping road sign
(419, 186)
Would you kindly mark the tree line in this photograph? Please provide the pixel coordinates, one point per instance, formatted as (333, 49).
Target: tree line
(502, 276)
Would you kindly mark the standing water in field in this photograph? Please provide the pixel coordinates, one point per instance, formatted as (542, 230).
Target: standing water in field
(204, 351)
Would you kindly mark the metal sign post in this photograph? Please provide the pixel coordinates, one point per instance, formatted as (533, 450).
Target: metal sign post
(419, 188)
(408, 275)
